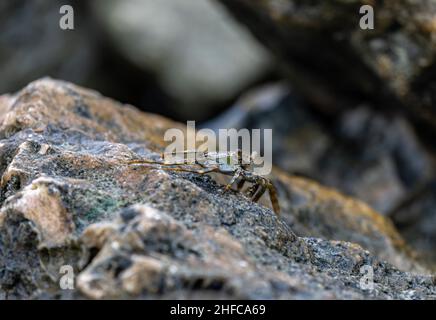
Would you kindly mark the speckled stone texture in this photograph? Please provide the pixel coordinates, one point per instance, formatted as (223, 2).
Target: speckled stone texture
(139, 232)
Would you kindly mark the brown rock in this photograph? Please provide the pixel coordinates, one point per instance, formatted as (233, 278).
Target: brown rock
(129, 232)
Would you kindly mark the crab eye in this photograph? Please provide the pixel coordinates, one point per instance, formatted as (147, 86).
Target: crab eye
(229, 160)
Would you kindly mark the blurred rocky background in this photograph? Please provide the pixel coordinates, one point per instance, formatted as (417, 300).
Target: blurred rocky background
(349, 108)
(185, 59)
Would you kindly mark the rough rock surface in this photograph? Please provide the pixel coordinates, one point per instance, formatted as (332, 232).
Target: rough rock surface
(140, 232)
(375, 87)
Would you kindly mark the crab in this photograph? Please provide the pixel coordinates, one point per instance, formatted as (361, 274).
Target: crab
(232, 163)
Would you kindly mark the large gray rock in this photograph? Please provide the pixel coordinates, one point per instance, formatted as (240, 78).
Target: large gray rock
(67, 198)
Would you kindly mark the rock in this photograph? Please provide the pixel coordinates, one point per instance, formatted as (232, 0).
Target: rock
(200, 56)
(335, 63)
(317, 211)
(67, 198)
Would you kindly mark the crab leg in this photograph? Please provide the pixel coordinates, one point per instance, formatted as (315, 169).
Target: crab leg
(252, 190)
(146, 161)
(259, 192)
(240, 184)
(204, 171)
(236, 176)
(274, 198)
(197, 153)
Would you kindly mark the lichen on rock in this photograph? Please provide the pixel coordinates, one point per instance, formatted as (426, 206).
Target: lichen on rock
(140, 232)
